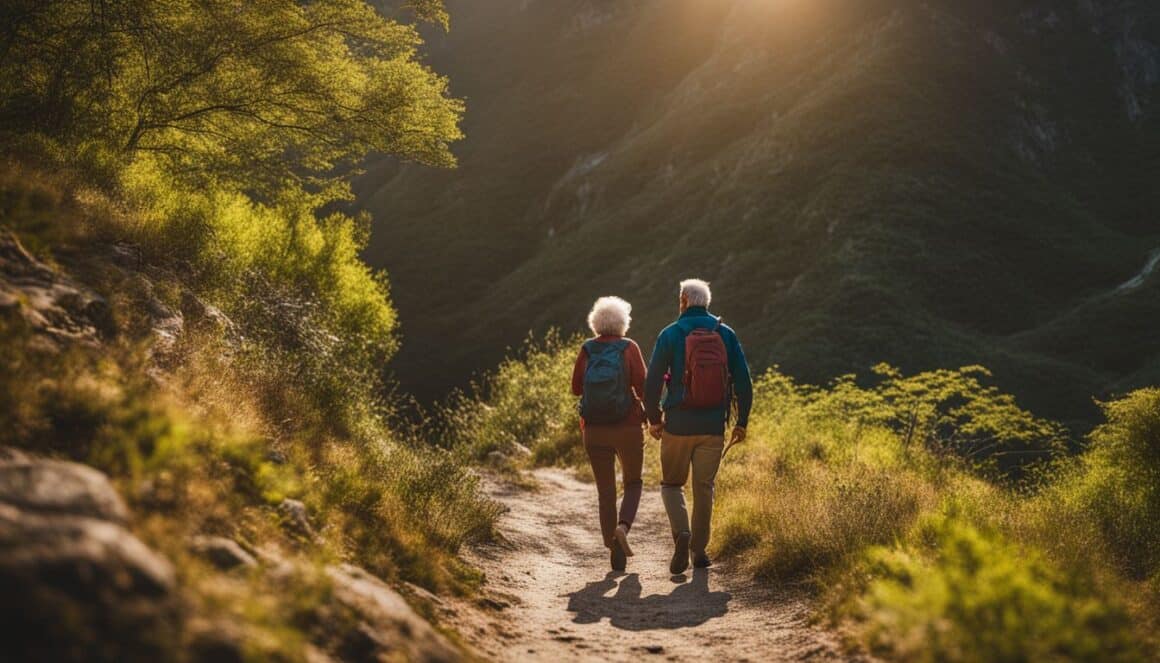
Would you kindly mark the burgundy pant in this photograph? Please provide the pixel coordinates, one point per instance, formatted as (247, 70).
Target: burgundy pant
(604, 445)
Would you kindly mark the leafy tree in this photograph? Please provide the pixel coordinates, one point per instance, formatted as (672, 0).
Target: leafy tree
(263, 95)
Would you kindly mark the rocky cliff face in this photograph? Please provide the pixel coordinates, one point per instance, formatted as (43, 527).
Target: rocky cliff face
(926, 183)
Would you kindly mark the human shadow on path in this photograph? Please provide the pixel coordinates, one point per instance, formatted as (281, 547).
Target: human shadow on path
(689, 604)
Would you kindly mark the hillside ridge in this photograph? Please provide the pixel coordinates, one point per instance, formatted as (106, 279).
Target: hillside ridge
(815, 163)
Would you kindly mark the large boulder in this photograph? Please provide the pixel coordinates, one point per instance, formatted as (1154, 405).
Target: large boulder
(388, 628)
(48, 486)
(75, 584)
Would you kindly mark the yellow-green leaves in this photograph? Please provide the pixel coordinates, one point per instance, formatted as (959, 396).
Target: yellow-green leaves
(261, 95)
(947, 411)
(972, 595)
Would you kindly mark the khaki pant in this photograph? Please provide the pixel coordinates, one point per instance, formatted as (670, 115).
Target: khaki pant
(703, 454)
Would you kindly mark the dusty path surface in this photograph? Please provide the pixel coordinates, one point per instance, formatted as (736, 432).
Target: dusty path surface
(550, 595)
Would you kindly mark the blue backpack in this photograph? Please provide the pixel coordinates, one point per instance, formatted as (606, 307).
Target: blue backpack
(606, 398)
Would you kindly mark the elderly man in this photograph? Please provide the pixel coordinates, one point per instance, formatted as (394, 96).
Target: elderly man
(699, 365)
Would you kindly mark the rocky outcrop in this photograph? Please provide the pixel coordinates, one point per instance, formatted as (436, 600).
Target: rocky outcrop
(50, 303)
(223, 553)
(76, 584)
(62, 310)
(388, 628)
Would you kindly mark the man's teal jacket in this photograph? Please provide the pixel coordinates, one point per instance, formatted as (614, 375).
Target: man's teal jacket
(668, 359)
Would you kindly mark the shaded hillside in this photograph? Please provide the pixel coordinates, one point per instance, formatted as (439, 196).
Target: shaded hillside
(928, 184)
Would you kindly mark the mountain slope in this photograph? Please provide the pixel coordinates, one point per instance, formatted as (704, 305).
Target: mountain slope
(923, 183)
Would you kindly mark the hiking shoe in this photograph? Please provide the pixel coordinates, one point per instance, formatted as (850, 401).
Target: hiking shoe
(702, 561)
(619, 561)
(621, 534)
(680, 554)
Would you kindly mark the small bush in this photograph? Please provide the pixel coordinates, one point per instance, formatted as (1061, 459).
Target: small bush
(525, 404)
(960, 593)
(1115, 485)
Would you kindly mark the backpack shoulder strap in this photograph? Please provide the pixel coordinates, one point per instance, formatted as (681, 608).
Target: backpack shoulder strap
(690, 329)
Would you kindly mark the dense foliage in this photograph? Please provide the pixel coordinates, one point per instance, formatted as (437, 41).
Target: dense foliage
(267, 96)
(183, 160)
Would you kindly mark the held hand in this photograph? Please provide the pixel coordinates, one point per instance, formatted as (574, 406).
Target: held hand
(655, 430)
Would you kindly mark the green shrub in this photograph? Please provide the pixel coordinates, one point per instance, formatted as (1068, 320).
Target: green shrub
(961, 593)
(309, 307)
(832, 481)
(289, 404)
(947, 415)
(830, 471)
(1115, 485)
(526, 403)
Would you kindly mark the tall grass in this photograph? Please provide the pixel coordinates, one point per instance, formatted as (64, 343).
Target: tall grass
(932, 516)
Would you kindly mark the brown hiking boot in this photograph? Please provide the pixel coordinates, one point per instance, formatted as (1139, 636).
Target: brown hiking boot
(619, 561)
(621, 534)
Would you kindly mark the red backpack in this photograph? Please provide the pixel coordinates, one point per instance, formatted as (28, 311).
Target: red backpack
(706, 370)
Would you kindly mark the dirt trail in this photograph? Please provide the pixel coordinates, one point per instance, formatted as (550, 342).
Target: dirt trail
(551, 595)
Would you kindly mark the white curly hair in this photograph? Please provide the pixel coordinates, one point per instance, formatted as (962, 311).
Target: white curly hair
(696, 292)
(611, 316)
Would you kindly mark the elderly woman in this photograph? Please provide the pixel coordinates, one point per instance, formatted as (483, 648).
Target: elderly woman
(609, 379)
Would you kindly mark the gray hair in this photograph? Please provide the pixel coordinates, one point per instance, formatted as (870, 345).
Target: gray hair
(696, 292)
(610, 315)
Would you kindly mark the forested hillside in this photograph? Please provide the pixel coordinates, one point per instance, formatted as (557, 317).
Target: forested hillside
(925, 183)
(197, 456)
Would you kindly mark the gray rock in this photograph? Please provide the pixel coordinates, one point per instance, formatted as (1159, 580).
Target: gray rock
(82, 589)
(49, 301)
(389, 628)
(166, 332)
(295, 517)
(200, 315)
(50, 486)
(223, 553)
(86, 556)
(126, 255)
(87, 588)
(217, 641)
